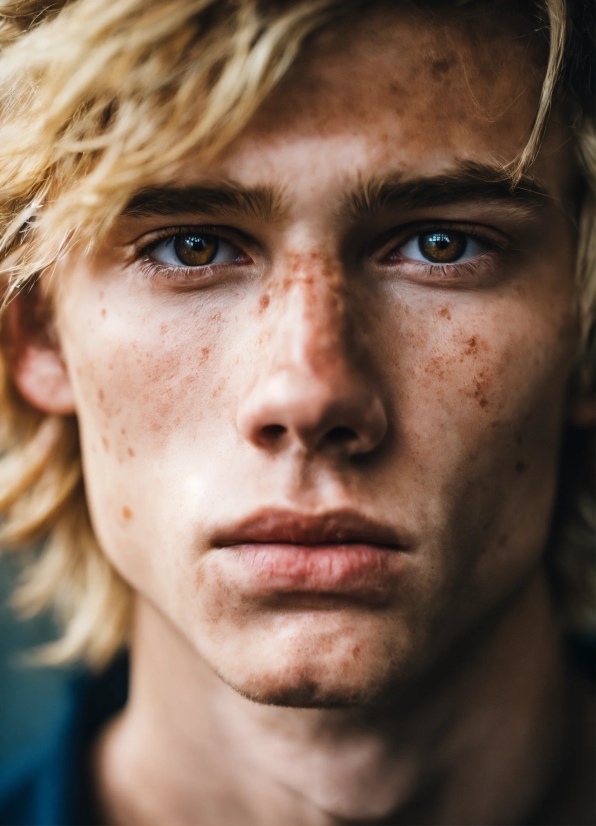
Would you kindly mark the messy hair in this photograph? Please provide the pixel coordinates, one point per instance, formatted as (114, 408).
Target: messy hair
(88, 88)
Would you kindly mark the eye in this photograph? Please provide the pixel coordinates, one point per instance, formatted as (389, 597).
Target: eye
(442, 247)
(194, 249)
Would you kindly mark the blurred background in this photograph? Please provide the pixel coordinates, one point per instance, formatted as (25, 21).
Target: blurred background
(31, 697)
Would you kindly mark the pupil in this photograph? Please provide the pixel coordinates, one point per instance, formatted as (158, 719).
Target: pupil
(195, 250)
(442, 247)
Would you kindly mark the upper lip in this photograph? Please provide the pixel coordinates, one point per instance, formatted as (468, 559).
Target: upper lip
(291, 527)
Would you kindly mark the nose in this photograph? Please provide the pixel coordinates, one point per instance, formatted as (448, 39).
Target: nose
(314, 390)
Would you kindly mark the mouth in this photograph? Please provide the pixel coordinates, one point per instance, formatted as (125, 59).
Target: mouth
(339, 553)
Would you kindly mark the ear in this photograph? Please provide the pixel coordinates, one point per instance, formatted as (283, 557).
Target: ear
(37, 367)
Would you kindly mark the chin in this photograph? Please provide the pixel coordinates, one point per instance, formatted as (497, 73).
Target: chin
(308, 678)
(310, 659)
(305, 693)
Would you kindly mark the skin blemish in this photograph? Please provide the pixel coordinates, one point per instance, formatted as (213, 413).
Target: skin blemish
(521, 466)
(481, 386)
(126, 512)
(105, 443)
(100, 395)
(435, 366)
(444, 313)
(264, 303)
(205, 353)
(441, 67)
(130, 451)
(473, 345)
(104, 312)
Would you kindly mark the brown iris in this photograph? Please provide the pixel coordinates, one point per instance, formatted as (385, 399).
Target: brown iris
(195, 250)
(442, 247)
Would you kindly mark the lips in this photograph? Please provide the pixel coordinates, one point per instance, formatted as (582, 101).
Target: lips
(276, 552)
(289, 527)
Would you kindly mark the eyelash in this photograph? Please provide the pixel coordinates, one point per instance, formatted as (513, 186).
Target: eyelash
(151, 267)
(460, 270)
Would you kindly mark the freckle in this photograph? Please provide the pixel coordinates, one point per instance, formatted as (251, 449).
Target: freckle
(123, 431)
(105, 443)
(444, 313)
(521, 466)
(264, 302)
(104, 312)
(163, 328)
(441, 67)
(100, 395)
(126, 512)
(483, 402)
(131, 451)
(205, 353)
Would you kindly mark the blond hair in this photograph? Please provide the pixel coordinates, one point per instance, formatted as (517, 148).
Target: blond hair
(85, 88)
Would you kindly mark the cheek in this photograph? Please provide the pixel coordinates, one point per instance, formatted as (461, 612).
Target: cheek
(476, 368)
(156, 373)
(480, 389)
(149, 389)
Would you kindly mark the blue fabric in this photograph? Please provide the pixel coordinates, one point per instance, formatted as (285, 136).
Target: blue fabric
(49, 785)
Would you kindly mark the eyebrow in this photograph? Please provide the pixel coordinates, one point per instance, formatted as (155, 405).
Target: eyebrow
(371, 195)
(212, 200)
(467, 182)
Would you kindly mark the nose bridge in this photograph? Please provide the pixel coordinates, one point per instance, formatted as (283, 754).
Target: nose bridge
(316, 332)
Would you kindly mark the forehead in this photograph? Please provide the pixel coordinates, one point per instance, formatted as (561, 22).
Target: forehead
(397, 87)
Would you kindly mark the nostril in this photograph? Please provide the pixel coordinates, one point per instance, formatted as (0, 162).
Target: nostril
(272, 432)
(340, 435)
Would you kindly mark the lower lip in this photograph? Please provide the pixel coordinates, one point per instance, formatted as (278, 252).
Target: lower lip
(329, 569)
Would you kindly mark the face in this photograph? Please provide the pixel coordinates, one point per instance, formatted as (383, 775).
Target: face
(320, 384)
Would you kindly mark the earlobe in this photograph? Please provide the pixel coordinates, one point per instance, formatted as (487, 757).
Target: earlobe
(37, 367)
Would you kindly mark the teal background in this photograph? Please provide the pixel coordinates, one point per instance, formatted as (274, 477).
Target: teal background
(30, 696)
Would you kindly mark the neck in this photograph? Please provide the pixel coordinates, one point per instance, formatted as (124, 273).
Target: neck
(477, 742)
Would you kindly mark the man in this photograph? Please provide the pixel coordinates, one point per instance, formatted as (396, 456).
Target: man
(305, 287)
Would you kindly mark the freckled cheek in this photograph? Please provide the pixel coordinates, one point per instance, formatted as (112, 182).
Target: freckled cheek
(468, 374)
(138, 393)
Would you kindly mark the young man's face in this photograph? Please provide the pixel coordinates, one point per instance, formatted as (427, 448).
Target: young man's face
(324, 457)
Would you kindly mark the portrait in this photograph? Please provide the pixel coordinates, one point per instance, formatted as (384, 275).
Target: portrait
(297, 407)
